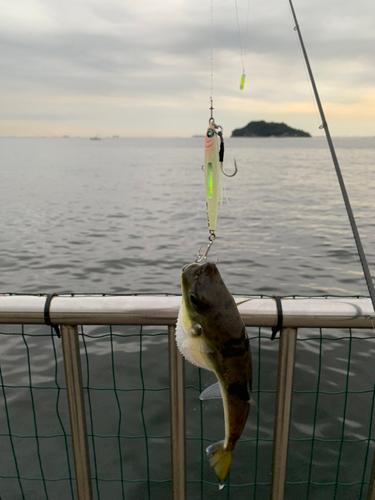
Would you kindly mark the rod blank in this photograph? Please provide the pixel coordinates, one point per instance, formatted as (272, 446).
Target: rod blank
(353, 224)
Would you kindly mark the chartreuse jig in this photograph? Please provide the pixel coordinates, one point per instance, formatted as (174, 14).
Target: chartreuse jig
(213, 172)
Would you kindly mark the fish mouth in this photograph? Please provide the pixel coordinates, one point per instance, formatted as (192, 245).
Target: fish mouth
(186, 266)
(198, 284)
(196, 269)
(190, 273)
(193, 274)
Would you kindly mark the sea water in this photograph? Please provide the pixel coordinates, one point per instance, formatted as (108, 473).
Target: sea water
(124, 216)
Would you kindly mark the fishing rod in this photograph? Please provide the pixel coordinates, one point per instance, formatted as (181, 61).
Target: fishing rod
(324, 125)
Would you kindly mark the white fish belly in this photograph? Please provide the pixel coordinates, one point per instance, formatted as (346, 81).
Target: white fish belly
(193, 349)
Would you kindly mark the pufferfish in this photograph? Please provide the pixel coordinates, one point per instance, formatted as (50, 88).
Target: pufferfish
(210, 334)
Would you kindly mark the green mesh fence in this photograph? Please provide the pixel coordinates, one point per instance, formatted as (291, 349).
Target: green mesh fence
(126, 386)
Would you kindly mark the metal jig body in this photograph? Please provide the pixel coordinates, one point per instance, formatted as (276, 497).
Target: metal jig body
(213, 172)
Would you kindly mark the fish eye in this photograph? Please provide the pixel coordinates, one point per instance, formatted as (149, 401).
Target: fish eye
(210, 133)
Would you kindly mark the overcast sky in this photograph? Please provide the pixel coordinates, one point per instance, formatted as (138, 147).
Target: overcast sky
(142, 68)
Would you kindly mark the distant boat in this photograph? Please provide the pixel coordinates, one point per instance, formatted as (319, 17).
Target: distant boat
(96, 138)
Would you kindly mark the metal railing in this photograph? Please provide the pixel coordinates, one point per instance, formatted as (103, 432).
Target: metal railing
(70, 311)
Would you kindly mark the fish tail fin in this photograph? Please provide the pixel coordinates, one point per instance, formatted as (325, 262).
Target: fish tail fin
(220, 460)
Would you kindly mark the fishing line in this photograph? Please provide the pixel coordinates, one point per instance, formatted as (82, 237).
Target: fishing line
(213, 162)
(243, 46)
(212, 52)
(239, 36)
(247, 28)
(357, 238)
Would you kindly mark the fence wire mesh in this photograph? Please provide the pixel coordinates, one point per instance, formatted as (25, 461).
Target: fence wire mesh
(126, 387)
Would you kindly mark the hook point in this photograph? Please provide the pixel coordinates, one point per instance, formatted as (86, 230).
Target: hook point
(235, 169)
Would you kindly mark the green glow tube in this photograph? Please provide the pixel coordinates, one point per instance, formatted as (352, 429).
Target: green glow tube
(212, 176)
(210, 181)
(242, 84)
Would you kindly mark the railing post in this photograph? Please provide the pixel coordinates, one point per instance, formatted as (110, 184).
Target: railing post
(371, 486)
(287, 351)
(73, 376)
(178, 430)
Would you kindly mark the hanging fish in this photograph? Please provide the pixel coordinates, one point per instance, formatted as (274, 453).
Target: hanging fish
(210, 333)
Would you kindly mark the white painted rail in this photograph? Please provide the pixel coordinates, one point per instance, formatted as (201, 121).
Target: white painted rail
(161, 310)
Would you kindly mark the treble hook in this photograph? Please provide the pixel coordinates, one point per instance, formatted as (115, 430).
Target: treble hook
(200, 257)
(235, 169)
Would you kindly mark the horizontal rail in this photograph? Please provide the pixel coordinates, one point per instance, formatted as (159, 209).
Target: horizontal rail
(163, 310)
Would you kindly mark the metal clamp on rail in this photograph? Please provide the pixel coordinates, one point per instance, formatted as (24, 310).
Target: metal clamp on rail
(279, 324)
(47, 318)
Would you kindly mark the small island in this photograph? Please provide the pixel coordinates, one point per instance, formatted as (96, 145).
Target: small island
(268, 129)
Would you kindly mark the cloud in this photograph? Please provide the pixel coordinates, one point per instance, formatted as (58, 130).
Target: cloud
(146, 56)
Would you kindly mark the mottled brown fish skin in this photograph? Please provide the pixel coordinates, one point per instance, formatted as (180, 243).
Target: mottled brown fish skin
(234, 372)
(213, 307)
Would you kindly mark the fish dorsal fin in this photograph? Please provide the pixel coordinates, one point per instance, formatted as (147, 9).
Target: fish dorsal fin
(211, 392)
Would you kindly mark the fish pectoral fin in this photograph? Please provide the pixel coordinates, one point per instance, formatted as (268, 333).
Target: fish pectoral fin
(211, 392)
(196, 343)
(195, 330)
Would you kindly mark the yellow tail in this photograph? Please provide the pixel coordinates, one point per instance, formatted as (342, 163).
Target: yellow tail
(220, 460)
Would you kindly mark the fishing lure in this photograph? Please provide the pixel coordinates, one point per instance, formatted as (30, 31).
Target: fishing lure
(213, 158)
(213, 174)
